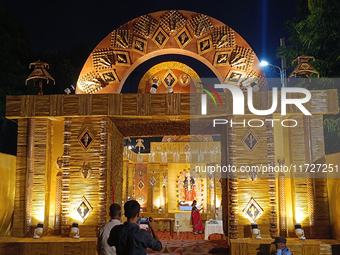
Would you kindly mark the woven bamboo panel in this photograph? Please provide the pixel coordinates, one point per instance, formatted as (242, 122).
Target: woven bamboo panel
(39, 181)
(322, 102)
(56, 105)
(158, 104)
(49, 246)
(116, 143)
(70, 106)
(21, 161)
(257, 189)
(84, 187)
(102, 179)
(318, 144)
(129, 104)
(65, 190)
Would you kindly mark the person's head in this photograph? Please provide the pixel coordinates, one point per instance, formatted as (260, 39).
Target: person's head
(131, 209)
(280, 242)
(115, 211)
(194, 203)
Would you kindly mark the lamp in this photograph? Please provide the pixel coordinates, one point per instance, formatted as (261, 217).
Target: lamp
(299, 231)
(255, 86)
(265, 63)
(75, 229)
(256, 231)
(38, 230)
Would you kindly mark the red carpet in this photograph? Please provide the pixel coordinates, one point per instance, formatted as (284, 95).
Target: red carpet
(190, 244)
(165, 235)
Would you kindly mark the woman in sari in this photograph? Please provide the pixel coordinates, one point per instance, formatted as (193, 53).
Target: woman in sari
(196, 219)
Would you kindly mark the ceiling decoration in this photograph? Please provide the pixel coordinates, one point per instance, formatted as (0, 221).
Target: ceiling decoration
(121, 39)
(171, 21)
(145, 26)
(223, 37)
(200, 25)
(102, 58)
(242, 58)
(90, 83)
(194, 37)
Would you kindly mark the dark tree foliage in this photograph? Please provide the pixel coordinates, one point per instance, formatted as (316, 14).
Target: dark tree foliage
(316, 32)
(15, 56)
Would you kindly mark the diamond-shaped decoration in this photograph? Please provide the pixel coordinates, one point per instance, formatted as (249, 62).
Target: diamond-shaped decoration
(139, 45)
(204, 45)
(160, 38)
(169, 79)
(183, 38)
(187, 147)
(252, 210)
(141, 185)
(122, 58)
(141, 198)
(109, 76)
(250, 141)
(141, 172)
(86, 139)
(83, 209)
(153, 180)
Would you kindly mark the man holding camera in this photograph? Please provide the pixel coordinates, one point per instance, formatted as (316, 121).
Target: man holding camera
(281, 247)
(129, 238)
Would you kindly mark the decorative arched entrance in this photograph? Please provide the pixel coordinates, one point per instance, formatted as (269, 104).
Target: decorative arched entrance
(203, 45)
(113, 102)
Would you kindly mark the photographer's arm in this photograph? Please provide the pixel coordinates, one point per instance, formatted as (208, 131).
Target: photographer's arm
(153, 228)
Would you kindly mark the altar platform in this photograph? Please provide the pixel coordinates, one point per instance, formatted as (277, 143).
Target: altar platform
(247, 246)
(56, 245)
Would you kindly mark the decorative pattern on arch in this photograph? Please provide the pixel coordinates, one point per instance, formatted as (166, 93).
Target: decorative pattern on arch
(188, 33)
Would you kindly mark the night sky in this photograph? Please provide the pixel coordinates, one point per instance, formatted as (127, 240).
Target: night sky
(61, 25)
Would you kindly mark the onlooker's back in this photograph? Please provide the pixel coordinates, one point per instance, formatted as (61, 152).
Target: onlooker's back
(129, 238)
(102, 246)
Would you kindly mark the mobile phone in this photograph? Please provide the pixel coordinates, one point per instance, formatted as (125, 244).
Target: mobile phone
(144, 220)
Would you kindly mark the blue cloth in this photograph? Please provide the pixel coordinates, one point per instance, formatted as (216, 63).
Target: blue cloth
(129, 239)
(285, 251)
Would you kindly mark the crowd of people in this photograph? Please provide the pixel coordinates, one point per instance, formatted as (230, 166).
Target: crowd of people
(130, 238)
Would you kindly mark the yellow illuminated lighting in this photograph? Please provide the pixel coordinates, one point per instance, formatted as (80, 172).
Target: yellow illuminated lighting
(300, 215)
(39, 216)
(218, 202)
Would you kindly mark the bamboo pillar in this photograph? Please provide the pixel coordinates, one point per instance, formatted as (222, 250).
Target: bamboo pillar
(230, 153)
(57, 220)
(102, 174)
(310, 179)
(282, 205)
(65, 191)
(272, 182)
(29, 177)
(127, 196)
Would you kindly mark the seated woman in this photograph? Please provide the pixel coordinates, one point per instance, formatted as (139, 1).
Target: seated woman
(196, 219)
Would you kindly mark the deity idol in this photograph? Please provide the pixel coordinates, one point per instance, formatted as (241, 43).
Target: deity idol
(189, 187)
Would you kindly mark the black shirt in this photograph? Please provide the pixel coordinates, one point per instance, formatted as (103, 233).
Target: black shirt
(130, 240)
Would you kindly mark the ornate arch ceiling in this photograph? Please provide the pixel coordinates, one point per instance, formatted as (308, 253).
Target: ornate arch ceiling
(174, 45)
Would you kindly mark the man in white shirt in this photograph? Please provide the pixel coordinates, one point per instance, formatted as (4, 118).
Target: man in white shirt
(102, 247)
